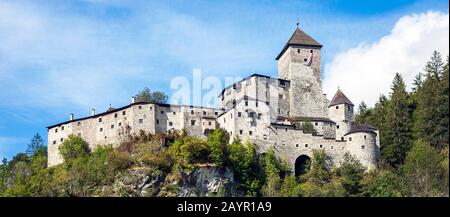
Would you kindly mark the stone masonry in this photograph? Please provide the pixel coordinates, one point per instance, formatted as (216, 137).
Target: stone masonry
(267, 111)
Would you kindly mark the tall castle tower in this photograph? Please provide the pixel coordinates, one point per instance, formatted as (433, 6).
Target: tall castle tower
(299, 62)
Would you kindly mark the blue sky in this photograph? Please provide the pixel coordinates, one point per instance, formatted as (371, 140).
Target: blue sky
(61, 57)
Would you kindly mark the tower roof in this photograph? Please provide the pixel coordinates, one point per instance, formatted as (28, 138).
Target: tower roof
(299, 38)
(340, 98)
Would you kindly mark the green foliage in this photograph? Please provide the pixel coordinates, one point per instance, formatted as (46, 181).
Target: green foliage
(244, 161)
(308, 127)
(36, 146)
(386, 184)
(218, 142)
(352, 174)
(433, 104)
(146, 95)
(188, 151)
(363, 114)
(73, 148)
(423, 170)
(398, 125)
(290, 187)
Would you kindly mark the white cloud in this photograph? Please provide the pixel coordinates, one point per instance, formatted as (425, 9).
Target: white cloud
(366, 71)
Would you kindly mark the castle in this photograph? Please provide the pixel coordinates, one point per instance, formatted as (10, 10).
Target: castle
(270, 112)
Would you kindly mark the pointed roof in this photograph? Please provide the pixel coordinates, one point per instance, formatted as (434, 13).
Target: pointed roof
(340, 98)
(299, 38)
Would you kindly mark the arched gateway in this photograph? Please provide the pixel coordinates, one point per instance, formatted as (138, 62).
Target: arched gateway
(301, 164)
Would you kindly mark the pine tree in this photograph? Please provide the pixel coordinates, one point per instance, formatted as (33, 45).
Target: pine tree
(398, 125)
(432, 104)
(36, 146)
(363, 113)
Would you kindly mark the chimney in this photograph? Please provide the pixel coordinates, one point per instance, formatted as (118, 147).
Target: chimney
(71, 117)
(133, 100)
(92, 112)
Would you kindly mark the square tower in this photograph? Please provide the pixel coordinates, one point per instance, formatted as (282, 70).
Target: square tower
(299, 62)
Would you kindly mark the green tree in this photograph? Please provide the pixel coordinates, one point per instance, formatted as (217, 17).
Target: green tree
(398, 137)
(273, 167)
(290, 187)
(363, 113)
(4, 175)
(146, 95)
(218, 142)
(352, 174)
(423, 171)
(72, 148)
(385, 184)
(36, 146)
(432, 104)
(244, 161)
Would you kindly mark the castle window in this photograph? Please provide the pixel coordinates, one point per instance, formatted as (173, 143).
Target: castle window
(101, 129)
(192, 112)
(61, 139)
(342, 138)
(216, 113)
(267, 103)
(337, 107)
(287, 113)
(192, 122)
(124, 113)
(112, 126)
(331, 147)
(365, 137)
(348, 107)
(151, 108)
(298, 50)
(305, 60)
(141, 121)
(316, 124)
(241, 131)
(306, 145)
(256, 104)
(246, 103)
(157, 121)
(280, 96)
(100, 120)
(54, 142)
(320, 146)
(265, 137)
(239, 114)
(140, 107)
(204, 112)
(250, 114)
(78, 123)
(259, 115)
(279, 111)
(174, 113)
(331, 125)
(363, 146)
(250, 133)
(170, 123)
(285, 129)
(106, 137)
(296, 145)
(209, 123)
(115, 115)
(62, 128)
(349, 138)
(282, 83)
(337, 126)
(224, 120)
(162, 112)
(120, 124)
